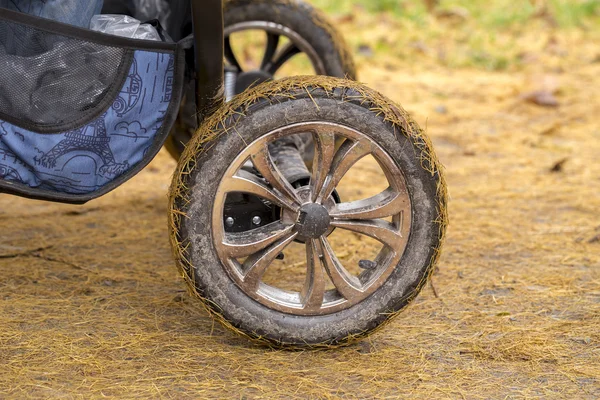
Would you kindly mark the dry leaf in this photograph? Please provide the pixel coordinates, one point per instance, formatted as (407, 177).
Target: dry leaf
(365, 50)
(453, 13)
(431, 4)
(420, 46)
(551, 130)
(559, 165)
(349, 17)
(542, 98)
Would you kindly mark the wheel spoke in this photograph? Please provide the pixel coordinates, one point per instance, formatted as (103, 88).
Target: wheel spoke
(264, 164)
(385, 204)
(378, 229)
(271, 49)
(347, 155)
(230, 56)
(257, 264)
(289, 51)
(314, 286)
(324, 153)
(346, 284)
(243, 244)
(245, 182)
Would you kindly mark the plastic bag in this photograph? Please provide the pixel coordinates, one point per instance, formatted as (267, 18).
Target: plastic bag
(150, 9)
(125, 26)
(174, 15)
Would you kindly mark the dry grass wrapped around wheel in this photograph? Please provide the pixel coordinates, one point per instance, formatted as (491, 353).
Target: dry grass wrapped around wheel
(223, 122)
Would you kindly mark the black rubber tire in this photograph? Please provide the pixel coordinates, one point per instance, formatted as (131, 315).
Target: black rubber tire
(310, 23)
(300, 103)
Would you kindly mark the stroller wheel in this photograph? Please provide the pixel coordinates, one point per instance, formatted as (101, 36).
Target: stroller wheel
(266, 40)
(285, 280)
(283, 30)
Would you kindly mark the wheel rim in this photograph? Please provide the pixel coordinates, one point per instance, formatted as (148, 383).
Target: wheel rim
(273, 57)
(309, 214)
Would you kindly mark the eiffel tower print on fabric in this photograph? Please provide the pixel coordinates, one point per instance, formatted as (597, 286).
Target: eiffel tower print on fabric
(9, 160)
(6, 171)
(10, 165)
(130, 93)
(168, 81)
(89, 139)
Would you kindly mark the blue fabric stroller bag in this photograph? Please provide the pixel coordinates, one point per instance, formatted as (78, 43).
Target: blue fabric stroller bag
(81, 111)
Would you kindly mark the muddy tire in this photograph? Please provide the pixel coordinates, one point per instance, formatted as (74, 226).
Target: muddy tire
(306, 27)
(222, 267)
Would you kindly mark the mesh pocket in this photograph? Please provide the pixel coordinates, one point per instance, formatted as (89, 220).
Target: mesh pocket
(49, 80)
(80, 112)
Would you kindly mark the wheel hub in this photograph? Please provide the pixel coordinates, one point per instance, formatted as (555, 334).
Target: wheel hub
(313, 221)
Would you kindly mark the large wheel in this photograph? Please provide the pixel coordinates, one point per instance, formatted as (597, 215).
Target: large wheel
(271, 39)
(255, 279)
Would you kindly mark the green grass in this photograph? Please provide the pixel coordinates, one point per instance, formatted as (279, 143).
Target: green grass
(407, 9)
(570, 13)
(516, 13)
(495, 35)
(491, 14)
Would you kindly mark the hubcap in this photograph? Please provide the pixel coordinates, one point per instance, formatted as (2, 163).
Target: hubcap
(313, 221)
(308, 216)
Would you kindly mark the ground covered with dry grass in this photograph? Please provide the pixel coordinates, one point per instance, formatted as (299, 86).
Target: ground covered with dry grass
(91, 304)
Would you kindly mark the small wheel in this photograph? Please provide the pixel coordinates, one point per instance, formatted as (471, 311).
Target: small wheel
(318, 297)
(267, 40)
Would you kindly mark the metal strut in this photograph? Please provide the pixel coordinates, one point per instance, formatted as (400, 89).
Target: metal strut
(207, 20)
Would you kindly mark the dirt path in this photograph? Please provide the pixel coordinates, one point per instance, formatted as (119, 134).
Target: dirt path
(91, 304)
